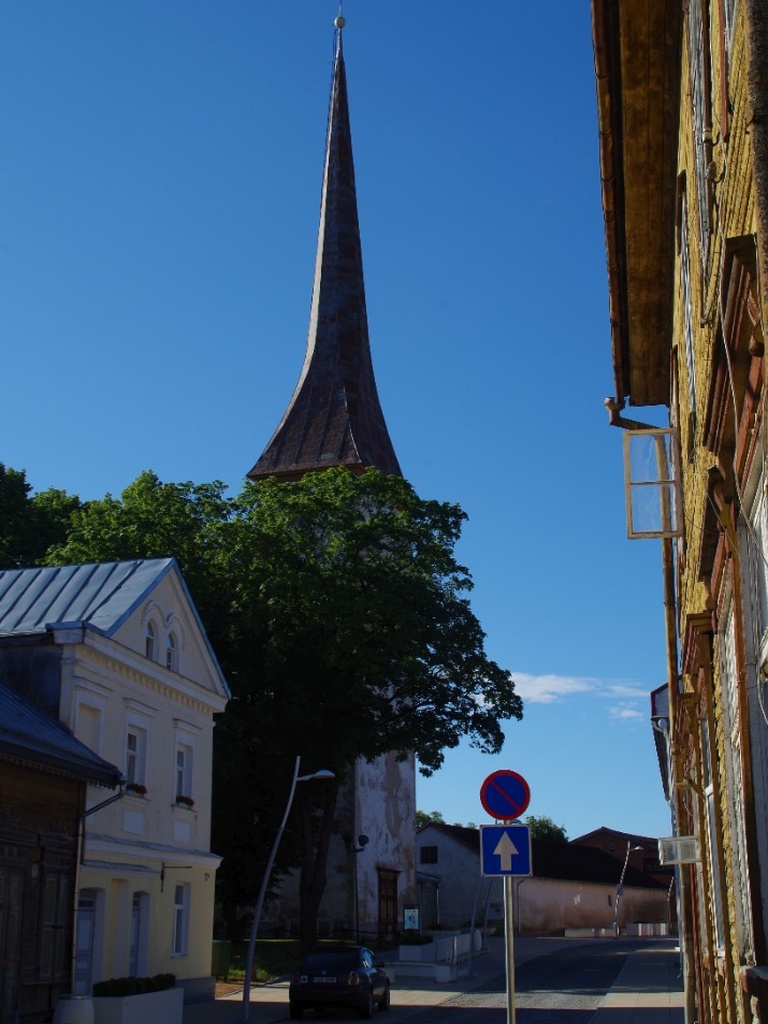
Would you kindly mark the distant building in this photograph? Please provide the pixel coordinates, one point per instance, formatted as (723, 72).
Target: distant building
(682, 95)
(117, 654)
(642, 852)
(335, 419)
(573, 886)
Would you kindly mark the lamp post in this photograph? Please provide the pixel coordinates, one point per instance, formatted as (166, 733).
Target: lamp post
(620, 888)
(322, 774)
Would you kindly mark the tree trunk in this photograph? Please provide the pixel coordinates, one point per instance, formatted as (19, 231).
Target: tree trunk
(316, 827)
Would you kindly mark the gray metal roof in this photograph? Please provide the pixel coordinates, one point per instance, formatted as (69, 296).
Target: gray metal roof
(100, 596)
(32, 737)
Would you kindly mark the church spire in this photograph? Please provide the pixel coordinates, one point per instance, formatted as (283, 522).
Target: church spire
(334, 417)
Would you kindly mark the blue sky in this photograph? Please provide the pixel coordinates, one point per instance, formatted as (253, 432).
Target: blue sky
(159, 193)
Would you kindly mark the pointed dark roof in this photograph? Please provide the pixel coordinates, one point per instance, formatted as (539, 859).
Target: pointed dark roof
(334, 417)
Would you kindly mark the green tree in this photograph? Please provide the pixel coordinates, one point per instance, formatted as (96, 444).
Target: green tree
(340, 617)
(422, 818)
(30, 523)
(542, 827)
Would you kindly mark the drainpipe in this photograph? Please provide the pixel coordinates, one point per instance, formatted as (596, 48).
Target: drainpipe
(615, 418)
(80, 859)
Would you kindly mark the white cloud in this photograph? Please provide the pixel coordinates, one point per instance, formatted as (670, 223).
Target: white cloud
(627, 713)
(627, 690)
(629, 700)
(550, 688)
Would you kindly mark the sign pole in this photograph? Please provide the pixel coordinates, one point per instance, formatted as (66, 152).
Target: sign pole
(509, 935)
(506, 850)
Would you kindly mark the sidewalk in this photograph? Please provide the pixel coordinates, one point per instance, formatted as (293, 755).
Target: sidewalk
(647, 990)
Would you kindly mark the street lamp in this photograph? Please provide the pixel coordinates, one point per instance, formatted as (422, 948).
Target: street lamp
(620, 889)
(324, 773)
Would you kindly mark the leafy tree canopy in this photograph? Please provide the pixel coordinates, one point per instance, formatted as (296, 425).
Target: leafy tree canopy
(422, 818)
(542, 827)
(30, 523)
(340, 617)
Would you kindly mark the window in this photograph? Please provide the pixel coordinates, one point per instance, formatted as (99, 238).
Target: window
(685, 284)
(429, 855)
(181, 919)
(729, 16)
(183, 786)
(170, 652)
(150, 642)
(731, 722)
(713, 836)
(88, 726)
(651, 483)
(135, 755)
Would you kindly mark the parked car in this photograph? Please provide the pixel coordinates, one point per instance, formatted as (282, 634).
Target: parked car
(338, 976)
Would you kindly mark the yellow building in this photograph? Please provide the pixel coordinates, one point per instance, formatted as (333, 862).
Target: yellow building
(682, 94)
(117, 654)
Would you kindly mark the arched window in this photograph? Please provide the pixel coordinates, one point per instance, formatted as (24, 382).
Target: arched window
(150, 641)
(170, 652)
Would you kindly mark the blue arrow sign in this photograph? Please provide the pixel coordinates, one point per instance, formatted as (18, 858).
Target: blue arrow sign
(505, 849)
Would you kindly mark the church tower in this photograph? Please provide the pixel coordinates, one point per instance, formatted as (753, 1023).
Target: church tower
(334, 419)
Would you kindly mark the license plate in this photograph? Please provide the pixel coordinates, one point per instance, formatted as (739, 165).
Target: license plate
(324, 980)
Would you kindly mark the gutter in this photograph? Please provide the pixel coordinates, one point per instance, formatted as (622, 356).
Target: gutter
(757, 128)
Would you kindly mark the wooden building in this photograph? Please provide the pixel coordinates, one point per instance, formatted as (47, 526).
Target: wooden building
(682, 92)
(44, 775)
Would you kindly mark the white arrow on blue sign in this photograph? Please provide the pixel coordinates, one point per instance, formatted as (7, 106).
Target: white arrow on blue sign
(505, 849)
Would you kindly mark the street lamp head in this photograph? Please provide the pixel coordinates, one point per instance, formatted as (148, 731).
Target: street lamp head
(323, 774)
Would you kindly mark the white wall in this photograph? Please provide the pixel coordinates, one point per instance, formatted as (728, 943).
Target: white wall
(149, 844)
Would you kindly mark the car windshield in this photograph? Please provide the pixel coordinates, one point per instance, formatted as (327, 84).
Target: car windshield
(337, 960)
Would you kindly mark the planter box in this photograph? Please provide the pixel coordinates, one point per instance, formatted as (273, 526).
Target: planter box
(149, 1008)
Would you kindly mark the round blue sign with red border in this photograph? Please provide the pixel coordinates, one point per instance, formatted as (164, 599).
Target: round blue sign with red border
(505, 795)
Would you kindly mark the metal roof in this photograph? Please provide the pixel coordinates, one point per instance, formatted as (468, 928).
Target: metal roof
(101, 596)
(32, 737)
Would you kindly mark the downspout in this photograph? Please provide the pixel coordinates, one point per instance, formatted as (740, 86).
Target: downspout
(616, 419)
(80, 860)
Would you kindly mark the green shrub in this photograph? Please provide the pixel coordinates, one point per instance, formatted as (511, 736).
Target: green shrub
(133, 986)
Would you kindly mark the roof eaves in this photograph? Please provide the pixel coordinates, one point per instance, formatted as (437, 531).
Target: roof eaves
(637, 68)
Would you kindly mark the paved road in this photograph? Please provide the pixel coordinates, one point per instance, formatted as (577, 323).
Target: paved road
(564, 986)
